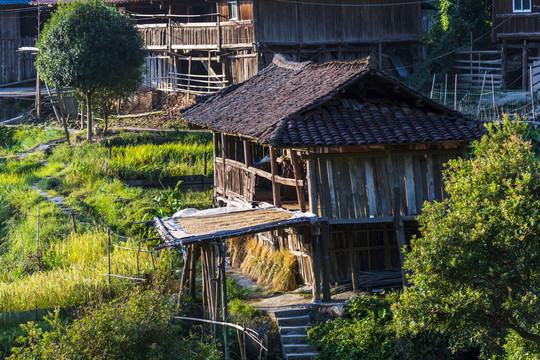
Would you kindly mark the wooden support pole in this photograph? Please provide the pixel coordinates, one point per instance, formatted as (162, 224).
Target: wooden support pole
(218, 25)
(248, 158)
(316, 243)
(400, 233)
(353, 264)
(275, 186)
(532, 92)
(193, 273)
(185, 275)
(312, 186)
(297, 177)
(504, 54)
(325, 239)
(525, 65)
(224, 301)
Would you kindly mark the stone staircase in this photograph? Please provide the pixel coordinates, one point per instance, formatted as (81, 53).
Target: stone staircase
(293, 324)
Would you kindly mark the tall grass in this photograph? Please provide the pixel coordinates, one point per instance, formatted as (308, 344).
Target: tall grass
(81, 279)
(26, 137)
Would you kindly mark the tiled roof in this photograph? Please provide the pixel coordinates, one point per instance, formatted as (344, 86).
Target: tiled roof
(331, 104)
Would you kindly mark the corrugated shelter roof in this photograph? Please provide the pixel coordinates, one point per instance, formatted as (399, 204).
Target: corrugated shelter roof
(330, 104)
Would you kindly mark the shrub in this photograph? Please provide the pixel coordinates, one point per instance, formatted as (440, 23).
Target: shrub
(138, 326)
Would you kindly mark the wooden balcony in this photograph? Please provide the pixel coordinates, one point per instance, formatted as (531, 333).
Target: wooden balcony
(198, 36)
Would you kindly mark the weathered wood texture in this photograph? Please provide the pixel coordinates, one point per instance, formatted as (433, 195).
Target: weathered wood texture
(297, 23)
(245, 9)
(356, 186)
(15, 66)
(198, 36)
(240, 182)
(507, 23)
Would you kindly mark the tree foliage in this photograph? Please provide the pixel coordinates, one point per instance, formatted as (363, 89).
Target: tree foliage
(90, 46)
(475, 269)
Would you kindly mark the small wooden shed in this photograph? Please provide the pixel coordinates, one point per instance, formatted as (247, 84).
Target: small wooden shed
(346, 142)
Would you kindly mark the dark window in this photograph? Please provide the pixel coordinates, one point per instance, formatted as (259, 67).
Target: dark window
(522, 5)
(233, 10)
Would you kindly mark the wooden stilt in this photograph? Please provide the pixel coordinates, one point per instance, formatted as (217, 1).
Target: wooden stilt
(316, 243)
(224, 148)
(312, 186)
(224, 301)
(248, 158)
(325, 238)
(193, 273)
(525, 69)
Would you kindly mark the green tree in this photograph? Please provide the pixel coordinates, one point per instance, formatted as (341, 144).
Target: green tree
(475, 269)
(90, 46)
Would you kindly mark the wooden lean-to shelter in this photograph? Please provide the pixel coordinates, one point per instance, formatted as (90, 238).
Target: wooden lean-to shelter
(352, 150)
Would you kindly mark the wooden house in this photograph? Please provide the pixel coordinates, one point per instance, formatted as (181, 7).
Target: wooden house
(516, 26)
(203, 46)
(18, 23)
(347, 142)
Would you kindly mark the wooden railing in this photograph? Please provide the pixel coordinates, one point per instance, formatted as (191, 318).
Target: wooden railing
(198, 36)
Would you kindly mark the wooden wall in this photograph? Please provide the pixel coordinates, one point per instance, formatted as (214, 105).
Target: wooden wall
(360, 186)
(245, 10)
(14, 66)
(508, 22)
(290, 23)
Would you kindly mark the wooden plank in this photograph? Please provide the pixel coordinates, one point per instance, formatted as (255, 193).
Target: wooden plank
(400, 233)
(316, 243)
(370, 190)
(361, 186)
(353, 266)
(324, 189)
(431, 177)
(409, 186)
(312, 186)
(224, 147)
(247, 153)
(332, 190)
(355, 191)
(343, 188)
(419, 182)
(297, 176)
(275, 186)
(383, 182)
(325, 239)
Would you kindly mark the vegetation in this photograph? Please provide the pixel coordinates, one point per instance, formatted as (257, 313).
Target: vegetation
(475, 267)
(137, 326)
(77, 42)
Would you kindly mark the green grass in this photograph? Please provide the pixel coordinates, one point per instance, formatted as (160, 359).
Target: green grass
(70, 270)
(26, 137)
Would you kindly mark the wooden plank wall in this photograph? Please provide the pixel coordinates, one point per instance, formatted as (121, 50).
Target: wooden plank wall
(245, 9)
(356, 186)
(16, 66)
(240, 182)
(290, 23)
(506, 21)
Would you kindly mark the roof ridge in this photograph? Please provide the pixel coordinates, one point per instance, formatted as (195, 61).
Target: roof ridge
(282, 62)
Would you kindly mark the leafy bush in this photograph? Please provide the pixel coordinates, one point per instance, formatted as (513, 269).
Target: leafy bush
(138, 326)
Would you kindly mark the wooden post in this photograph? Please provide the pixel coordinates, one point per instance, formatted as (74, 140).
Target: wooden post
(193, 273)
(297, 176)
(247, 153)
(504, 53)
(189, 76)
(38, 81)
(109, 256)
(455, 92)
(432, 86)
(37, 230)
(482, 92)
(445, 87)
(205, 164)
(532, 92)
(74, 222)
(493, 94)
(169, 27)
(316, 243)
(224, 146)
(325, 239)
(312, 186)
(275, 186)
(224, 300)
(400, 233)
(525, 63)
(218, 25)
(352, 264)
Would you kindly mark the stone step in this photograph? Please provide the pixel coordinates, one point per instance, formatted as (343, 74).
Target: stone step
(293, 321)
(290, 312)
(293, 330)
(293, 339)
(298, 349)
(303, 356)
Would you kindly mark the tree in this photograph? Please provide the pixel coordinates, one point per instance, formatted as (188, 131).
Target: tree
(90, 46)
(475, 269)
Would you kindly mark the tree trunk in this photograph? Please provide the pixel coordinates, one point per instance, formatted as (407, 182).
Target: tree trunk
(89, 116)
(106, 121)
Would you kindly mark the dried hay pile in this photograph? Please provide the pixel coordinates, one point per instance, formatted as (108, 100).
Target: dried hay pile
(276, 269)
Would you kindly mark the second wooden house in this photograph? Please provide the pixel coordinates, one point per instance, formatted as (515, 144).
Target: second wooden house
(348, 143)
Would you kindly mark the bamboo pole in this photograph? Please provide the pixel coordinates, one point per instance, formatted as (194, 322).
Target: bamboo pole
(432, 86)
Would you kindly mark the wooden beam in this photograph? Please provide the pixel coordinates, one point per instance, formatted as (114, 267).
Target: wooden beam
(525, 60)
(312, 186)
(279, 179)
(275, 186)
(297, 176)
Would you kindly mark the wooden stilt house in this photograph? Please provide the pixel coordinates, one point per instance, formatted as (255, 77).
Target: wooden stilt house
(344, 141)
